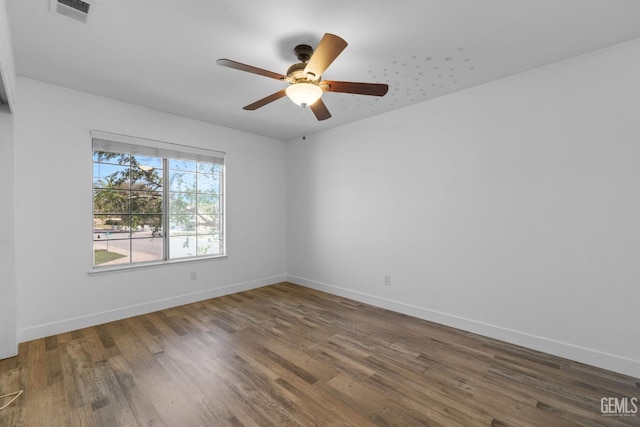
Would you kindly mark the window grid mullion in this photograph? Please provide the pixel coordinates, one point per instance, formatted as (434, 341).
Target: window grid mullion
(165, 209)
(130, 212)
(197, 210)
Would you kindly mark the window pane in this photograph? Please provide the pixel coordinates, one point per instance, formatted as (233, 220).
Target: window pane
(146, 180)
(211, 168)
(206, 227)
(107, 253)
(208, 224)
(143, 225)
(110, 201)
(111, 239)
(148, 163)
(146, 249)
(182, 165)
(182, 181)
(112, 158)
(208, 204)
(146, 202)
(182, 245)
(208, 183)
(110, 176)
(108, 227)
(182, 203)
(182, 224)
(146, 173)
(208, 244)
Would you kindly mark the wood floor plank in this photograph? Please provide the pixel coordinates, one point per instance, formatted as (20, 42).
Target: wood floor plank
(288, 355)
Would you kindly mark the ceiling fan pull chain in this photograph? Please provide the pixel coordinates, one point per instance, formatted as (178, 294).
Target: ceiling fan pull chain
(304, 123)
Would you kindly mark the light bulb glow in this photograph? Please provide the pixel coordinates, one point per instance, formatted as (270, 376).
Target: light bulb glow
(304, 93)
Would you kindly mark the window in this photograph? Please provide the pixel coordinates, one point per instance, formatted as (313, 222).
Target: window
(155, 202)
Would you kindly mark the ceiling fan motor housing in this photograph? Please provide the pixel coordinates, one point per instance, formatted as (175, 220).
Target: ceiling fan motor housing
(303, 52)
(296, 73)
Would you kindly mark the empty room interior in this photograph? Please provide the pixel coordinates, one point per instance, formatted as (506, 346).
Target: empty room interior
(331, 213)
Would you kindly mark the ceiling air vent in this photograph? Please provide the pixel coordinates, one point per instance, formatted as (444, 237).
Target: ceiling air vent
(75, 9)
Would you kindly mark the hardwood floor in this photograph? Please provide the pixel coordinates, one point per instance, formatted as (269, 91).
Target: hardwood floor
(287, 355)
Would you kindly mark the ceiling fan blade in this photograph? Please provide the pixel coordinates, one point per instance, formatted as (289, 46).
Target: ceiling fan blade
(320, 110)
(373, 89)
(328, 49)
(266, 100)
(248, 68)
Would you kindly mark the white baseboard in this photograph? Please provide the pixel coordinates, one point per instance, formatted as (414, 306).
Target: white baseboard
(72, 324)
(569, 351)
(588, 356)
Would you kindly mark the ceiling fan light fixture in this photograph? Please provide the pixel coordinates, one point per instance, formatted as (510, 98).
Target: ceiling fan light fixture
(306, 87)
(304, 93)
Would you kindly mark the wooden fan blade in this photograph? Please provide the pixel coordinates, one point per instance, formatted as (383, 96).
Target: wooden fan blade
(266, 100)
(320, 110)
(328, 49)
(248, 68)
(373, 89)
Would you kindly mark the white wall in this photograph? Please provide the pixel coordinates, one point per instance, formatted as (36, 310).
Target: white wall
(511, 209)
(7, 67)
(8, 339)
(53, 212)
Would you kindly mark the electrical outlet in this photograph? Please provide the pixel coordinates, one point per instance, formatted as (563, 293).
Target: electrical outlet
(193, 275)
(387, 280)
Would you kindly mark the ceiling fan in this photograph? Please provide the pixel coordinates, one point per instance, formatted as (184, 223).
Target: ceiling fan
(304, 78)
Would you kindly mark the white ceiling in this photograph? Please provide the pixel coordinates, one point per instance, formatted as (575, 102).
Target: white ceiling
(162, 53)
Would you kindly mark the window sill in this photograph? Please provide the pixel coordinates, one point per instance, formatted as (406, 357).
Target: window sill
(96, 271)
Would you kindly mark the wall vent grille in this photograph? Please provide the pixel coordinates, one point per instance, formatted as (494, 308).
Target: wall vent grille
(75, 9)
(78, 5)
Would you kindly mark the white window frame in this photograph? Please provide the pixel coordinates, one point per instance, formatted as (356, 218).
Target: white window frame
(112, 142)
